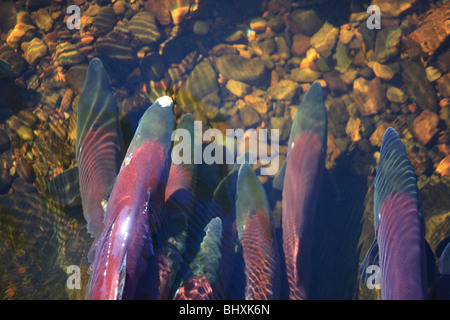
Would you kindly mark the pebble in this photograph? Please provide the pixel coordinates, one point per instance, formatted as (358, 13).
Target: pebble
(443, 167)
(249, 116)
(394, 94)
(416, 85)
(304, 75)
(377, 136)
(432, 73)
(443, 85)
(283, 124)
(387, 43)
(143, 27)
(25, 133)
(368, 95)
(382, 71)
(424, 127)
(300, 43)
(307, 22)
(285, 90)
(104, 20)
(343, 61)
(42, 19)
(201, 27)
(324, 40)
(258, 25)
(24, 30)
(238, 88)
(250, 71)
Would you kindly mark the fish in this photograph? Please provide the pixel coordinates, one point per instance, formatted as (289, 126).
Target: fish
(99, 144)
(200, 285)
(399, 248)
(304, 166)
(125, 265)
(256, 236)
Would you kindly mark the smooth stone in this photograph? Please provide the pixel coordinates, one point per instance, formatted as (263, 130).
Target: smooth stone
(335, 82)
(249, 116)
(258, 25)
(42, 19)
(300, 43)
(304, 75)
(201, 27)
(432, 73)
(368, 95)
(381, 70)
(285, 89)
(250, 71)
(104, 20)
(257, 101)
(34, 50)
(396, 95)
(377, 136)
(68, 54)
(307, 22)
(25, 133)
(23, 30)
(238, 88)
(276, 24)
(143, 27)
(152, 66)
(282, 47)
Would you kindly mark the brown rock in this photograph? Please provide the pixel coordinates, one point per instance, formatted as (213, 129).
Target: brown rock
(444, 166)
(368, 95)
(300, 43)
(377, 136)
(424, 127)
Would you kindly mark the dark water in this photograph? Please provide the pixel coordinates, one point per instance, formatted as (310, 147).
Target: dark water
(180, 52)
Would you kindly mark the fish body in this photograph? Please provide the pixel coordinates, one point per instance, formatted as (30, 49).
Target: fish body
(399, 224)
(256, 235)
(302, 179)
(125, 251)
(98, 144)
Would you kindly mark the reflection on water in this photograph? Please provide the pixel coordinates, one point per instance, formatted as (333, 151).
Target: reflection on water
(233, 64)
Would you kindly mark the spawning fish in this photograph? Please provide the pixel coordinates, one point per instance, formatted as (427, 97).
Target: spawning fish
(125, 265)
(256, 236)
(399, 246)
(302, 172)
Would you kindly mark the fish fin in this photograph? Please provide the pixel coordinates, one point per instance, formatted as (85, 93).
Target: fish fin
(431, 265)
(444, 261)
(441, 246)
(370, 259)
(65, 188)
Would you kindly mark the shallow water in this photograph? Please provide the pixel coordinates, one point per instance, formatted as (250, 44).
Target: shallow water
(371, 79)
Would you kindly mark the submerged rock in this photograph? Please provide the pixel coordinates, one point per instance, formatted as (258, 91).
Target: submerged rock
(104, 20)
(324, 40)
(34, 50)
(250, 71)
(368, 95)
(387, 43)
(394, 8)
(307, 22)
(143, 27)
(24, 30)
(304, 75)
(285, 89)
(417, 86)
(201, 91)
(424, 127)
(42, 19)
